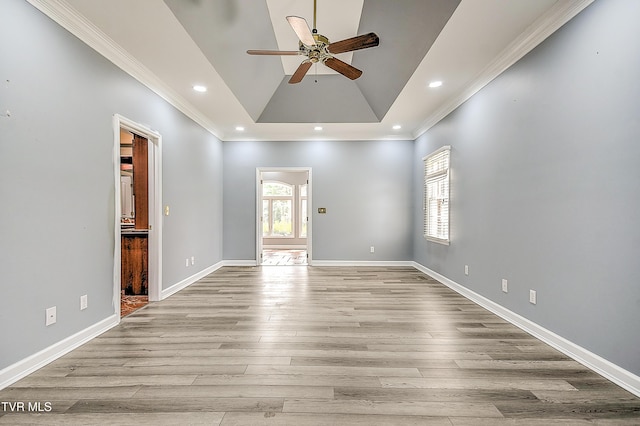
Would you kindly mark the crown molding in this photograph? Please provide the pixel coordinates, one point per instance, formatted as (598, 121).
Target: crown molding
(548, 23)
(68, 18)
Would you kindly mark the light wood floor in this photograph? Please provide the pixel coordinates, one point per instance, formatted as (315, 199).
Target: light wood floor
(318, 346)
(284, 257)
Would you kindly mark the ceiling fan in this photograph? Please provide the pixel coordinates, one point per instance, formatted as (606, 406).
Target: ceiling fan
(317, 48)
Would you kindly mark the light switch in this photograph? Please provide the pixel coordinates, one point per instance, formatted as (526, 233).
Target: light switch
(166, 210)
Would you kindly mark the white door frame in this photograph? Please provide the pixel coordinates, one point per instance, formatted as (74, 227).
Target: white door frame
(155, 208)
(259, 171)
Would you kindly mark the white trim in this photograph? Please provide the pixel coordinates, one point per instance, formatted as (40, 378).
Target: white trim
(436, 178)
(259, 239)
(155, 207)
(284, 246)
(74, 22)
(362, 263)
(605, 368)
(558, 15)
(330, 263)
(437, 240)
(189, 280)
(239, 263)
(259, 245)
(437, 151)
(67, 17)
(26, 366)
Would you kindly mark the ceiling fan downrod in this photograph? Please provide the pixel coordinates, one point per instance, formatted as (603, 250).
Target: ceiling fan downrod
(314, 16)
(318, 48)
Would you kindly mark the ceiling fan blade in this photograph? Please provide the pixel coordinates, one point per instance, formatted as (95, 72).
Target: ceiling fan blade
(301, 28)
(343, 68)
(273, 52)
(355, 43)
(300, 72)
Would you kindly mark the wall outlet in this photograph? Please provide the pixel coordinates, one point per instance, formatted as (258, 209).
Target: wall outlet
(50, 316)
(193, 260)
(505, 286)
(533, 298)
(373, 249)
(186, 262)
(83, 302)
(466, 269)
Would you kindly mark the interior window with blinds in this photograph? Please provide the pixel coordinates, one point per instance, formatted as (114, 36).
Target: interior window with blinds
(436, 195)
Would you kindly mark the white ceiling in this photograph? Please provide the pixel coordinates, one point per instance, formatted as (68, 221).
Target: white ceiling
(480, 40)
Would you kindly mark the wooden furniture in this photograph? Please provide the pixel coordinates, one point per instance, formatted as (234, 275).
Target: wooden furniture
(135, 242)
(134, 265)
(141, 181)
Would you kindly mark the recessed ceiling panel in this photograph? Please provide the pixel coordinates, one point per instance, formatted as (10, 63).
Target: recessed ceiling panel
(173, 44)
(336, 20)
(224, 30)
(318, 99)
(407, 30)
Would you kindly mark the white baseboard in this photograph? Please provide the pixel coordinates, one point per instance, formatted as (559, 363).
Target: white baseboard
(361, 263)
(284, 247)
(239, 263)
(331, 263)
(605, 368)
(189, 280)
(23, 368)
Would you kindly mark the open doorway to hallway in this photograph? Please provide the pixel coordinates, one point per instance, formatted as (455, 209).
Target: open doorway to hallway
(134, 221)
(138, 236)
(284, 229)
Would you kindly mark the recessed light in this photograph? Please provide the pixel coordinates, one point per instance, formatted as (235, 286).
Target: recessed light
(199, 88)
(435, 84)
(397, 127)
(317, 128)
(240, 128)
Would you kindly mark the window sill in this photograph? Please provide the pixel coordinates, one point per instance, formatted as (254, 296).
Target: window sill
(437, 240)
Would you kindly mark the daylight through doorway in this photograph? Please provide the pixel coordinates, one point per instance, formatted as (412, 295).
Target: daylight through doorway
(283, 216)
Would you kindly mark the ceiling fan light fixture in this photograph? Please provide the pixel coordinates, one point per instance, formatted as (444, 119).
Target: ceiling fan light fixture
(397, 127)
(317, 48)
(200, 88)
(435, 84)
(239, 129)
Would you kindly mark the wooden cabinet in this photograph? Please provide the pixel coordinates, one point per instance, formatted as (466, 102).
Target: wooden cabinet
(135, 263)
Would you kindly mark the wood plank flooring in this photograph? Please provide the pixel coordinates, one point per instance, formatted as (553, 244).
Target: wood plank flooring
(282, 257)
(317, 346)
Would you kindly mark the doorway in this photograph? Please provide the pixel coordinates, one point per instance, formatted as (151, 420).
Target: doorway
(283, 231)
(137, 254)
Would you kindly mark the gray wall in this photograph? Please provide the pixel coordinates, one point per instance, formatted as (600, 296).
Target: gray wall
(546, 185)
(365, 187)
(544, 168)
(57, 181)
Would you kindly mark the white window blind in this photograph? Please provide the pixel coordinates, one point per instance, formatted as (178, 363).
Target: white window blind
(436, 195)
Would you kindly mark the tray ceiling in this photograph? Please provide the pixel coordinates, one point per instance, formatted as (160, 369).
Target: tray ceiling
(172, 45)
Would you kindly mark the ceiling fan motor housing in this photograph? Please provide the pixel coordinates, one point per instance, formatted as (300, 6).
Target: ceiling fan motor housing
(317, 48)
(318, 52)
